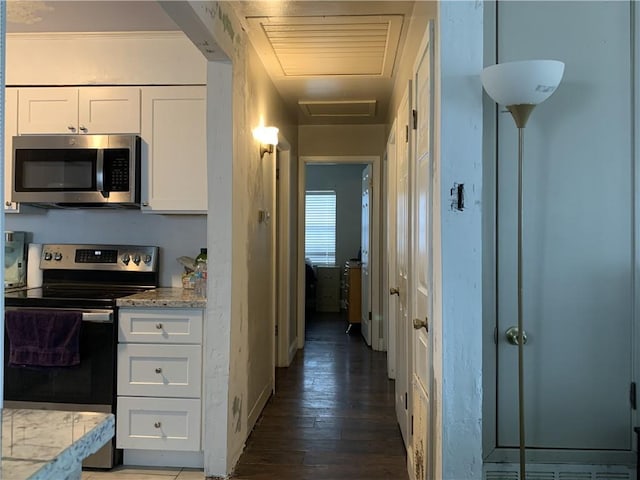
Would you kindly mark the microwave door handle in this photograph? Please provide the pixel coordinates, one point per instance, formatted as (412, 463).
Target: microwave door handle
(100, 173)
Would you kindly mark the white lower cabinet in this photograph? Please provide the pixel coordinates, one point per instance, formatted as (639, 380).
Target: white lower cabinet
(159, 380)
(158, 423)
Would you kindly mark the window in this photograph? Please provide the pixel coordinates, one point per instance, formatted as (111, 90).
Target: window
(320, 227)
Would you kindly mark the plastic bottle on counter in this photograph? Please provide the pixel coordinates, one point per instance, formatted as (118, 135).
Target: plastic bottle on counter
(200, 274)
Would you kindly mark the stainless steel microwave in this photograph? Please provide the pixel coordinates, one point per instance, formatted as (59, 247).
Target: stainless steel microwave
(76, 170)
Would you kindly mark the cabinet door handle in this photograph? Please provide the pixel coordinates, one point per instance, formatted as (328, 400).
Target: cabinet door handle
(71, 128)
(157, 424)
(83, 128)
(159, 326)
(158, 370)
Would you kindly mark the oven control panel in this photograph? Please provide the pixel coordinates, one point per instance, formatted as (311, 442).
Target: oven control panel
(99, 257)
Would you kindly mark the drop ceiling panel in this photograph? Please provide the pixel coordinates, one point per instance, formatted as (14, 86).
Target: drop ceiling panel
(328, 45)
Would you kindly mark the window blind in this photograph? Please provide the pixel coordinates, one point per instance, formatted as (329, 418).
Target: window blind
(320, 227)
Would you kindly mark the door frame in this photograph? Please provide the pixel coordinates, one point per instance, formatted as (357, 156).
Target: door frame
(389, 217)
(377, 330)
(285, 269)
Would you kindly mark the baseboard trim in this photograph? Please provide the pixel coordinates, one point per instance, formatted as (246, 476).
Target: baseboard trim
(159, 458)
(256, 410)
(293, 349)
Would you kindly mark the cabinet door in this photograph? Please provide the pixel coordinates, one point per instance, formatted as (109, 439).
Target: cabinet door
(107, 110)
(174, 157)
(10, 129)
(48, 110)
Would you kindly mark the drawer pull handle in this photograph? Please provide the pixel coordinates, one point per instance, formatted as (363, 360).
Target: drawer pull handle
(158, 370)
(159, 326)
(157, 424)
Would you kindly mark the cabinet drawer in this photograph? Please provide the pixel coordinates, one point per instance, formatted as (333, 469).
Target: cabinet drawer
(148, 325)
(158, 423)
(159, 370)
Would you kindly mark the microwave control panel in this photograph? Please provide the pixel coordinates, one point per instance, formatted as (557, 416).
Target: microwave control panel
(116, 170)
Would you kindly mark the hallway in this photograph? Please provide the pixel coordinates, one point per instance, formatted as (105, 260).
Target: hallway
(332, 416)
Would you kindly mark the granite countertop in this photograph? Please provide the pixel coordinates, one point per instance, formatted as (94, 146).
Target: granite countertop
(164, 297)
(51, 444)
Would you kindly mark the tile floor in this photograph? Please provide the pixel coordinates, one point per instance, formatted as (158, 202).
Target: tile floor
(142, 473)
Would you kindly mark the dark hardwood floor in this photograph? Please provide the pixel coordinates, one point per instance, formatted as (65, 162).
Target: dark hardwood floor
(332, 416)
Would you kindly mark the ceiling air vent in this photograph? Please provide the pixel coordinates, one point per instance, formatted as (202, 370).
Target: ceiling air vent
(329, 45)
(339, 108)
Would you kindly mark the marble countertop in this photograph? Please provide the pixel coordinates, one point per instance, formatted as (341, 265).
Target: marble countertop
(50, 444)
(164, 297)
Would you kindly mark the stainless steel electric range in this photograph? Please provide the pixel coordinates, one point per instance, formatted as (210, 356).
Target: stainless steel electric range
(87, 279)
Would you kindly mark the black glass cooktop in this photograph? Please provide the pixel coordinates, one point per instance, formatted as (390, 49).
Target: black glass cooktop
(74, 296)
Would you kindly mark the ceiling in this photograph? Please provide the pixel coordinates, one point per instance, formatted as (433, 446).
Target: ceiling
(332, 61)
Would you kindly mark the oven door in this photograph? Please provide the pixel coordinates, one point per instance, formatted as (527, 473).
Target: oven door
(92, 382)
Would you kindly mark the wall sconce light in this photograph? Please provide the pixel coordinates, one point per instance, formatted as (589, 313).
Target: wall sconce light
(268, 137)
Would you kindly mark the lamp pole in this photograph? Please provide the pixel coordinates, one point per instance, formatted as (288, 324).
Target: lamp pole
(520, 114)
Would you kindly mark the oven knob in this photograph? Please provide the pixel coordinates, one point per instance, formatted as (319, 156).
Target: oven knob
(47, 256)
(57, 257)
(147, 259)
(136, 259)
(125, 259)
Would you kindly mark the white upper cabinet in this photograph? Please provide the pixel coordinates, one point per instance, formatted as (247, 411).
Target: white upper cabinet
(174, 154)
(79, 110)
(10, 129)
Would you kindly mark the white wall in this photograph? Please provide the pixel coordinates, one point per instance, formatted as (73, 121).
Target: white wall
(346, 180)
(457, 292)
(135, 58)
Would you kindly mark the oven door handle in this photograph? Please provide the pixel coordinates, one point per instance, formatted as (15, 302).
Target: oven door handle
(93, 316)
(105, 316)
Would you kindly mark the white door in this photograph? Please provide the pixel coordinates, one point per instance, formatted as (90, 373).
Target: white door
(366, 264)
(421, 280)
(401, 285)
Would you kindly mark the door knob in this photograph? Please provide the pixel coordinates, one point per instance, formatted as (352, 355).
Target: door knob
(394, 291)
(418, 324)
(513, 336)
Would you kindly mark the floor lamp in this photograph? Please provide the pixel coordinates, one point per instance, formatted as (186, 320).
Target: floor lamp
(520, 86)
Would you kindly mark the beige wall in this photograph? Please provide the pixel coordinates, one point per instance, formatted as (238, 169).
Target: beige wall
(255, 102)
(342, 139)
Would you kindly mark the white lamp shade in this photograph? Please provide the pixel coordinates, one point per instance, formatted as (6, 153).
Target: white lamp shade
(525, 82)
(266, 135)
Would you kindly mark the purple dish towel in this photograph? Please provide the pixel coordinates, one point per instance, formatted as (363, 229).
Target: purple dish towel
(43, 338)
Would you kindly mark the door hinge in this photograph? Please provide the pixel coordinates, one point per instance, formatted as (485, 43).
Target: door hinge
(406, 134)
(406, 401)
(414, 113)
(495, 335)
(412, 425)
(276, 330)
(632, 395)
(370, 317)
(277, 174)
